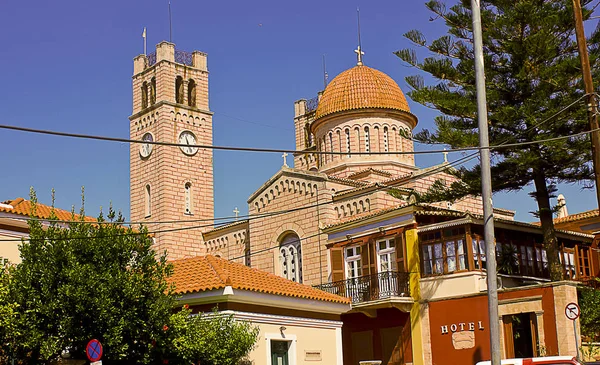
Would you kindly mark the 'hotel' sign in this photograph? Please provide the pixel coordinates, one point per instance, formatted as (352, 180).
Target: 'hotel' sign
(455, 327)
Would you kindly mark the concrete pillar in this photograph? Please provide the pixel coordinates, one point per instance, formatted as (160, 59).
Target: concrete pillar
(199, 60)
(165, 51)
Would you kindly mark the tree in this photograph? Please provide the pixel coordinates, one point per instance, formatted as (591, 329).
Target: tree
(8, 308)
(83, 280)
(589, 301)
(533, 76)
(208, 339)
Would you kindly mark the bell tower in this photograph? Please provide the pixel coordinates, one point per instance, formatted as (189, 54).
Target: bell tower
(171, 185)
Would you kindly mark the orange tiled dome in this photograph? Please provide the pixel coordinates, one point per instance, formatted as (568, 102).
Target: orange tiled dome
(358, 88)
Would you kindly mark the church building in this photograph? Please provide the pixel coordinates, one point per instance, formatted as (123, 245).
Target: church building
(415, 273)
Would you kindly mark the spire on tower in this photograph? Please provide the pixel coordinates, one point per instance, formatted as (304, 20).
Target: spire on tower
(325, 75)
(358, 51)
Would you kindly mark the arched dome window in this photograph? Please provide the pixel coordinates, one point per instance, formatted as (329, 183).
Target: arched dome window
(290, 257)
(348, 148)
(367, 142)
(385, 139)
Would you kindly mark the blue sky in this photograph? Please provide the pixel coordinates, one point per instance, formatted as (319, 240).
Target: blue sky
(67, 65)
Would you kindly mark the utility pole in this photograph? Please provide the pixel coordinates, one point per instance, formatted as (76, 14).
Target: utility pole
(486, 186)
(592, 107)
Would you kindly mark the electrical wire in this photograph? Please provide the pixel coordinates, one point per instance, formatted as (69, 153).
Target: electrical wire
(269, 214)
(273, 150)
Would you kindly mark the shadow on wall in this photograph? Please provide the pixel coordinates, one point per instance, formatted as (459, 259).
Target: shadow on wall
(477, 357)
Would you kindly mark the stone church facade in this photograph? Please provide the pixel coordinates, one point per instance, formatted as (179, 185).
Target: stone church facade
(415, 273)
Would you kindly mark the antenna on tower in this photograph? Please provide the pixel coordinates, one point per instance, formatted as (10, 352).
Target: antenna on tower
(325, 76)
(170, 25)
(359, 51)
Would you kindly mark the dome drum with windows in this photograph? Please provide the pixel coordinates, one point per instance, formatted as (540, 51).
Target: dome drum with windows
(362, 110)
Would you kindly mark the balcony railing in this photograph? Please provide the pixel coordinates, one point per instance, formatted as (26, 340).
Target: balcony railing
(151, 59)
(370, 287)
(182, 57)
(311, 105)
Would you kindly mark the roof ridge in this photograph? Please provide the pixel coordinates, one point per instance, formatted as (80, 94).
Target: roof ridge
(221, 272)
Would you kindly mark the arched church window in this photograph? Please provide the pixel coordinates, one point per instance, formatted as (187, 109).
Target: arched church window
(179, 90)
(339, 140)
(367, 143)
(188, 198)
(153, 91)
(192, 92)
(290, 257)
(144, 95)
(357, 131)
(147, 201)
(385, 139)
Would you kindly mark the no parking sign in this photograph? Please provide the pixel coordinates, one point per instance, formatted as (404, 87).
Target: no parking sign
(93, 351)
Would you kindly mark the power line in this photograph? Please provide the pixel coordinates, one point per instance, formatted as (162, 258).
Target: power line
(265, 215)
(431, 172)
(427, 173)
(272, 150)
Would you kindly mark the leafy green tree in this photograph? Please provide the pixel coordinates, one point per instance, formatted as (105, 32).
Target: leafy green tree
(533, 74)
(208, 338)
(8, 308)
(79, 281)
(83, 280)
(589, 301)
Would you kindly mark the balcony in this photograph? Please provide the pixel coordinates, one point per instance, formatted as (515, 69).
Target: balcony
(369, 288)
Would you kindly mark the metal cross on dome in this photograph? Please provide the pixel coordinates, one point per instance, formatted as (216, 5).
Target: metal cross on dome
(358, 50)
(359, 54)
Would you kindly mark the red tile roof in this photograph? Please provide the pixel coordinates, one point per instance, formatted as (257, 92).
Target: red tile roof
(577, 217)
(205, 273)
(361, 87)
(23, 207)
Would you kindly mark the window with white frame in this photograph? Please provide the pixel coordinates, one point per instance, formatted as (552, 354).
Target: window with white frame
(386, 255)
(367, 143)
(290, 257)
(352, 256)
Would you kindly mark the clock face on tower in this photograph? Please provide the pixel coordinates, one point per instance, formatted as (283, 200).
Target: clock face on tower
(146, 148)
(188, 138)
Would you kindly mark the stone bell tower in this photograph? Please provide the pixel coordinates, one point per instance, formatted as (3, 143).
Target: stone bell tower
(171, 187)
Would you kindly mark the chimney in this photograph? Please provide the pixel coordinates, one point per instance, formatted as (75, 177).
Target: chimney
(562, 202)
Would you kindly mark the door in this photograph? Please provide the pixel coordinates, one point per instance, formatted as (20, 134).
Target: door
(279, 352)
(520, 335)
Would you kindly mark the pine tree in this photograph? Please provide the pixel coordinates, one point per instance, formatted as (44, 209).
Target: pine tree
(534, 91)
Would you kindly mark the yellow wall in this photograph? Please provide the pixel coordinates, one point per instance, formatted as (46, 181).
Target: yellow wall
(414, 267)
(471, 282)
(10, 249)
(306, 339)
